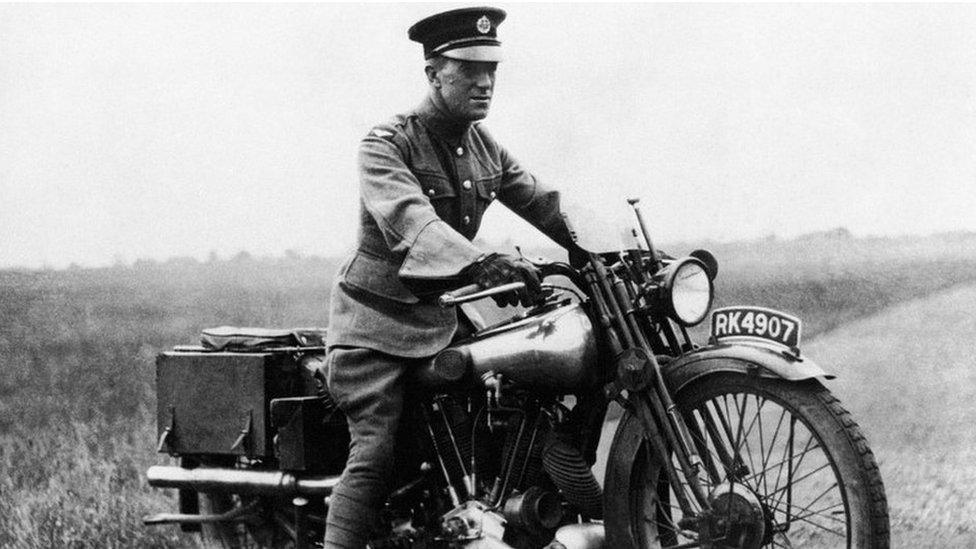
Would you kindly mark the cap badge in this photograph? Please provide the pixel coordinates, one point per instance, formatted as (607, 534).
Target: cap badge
(484, 24)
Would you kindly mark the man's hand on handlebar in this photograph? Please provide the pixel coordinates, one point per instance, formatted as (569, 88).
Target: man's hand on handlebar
(495, 269)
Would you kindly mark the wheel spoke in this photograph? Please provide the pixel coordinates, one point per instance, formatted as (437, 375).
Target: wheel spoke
(821, 512)
(719, 447)
(733, 460)
(671, 525)
(762, 444)
(736, 440)
(738, 431)
(725, 421)
(792, 469)
(752, 424)
(772, 444)
(787, 451)
(822, 527)
(744, 443)
(780, 466)
(790, 482)
(786, 543)
(801, 479)
(818, 498)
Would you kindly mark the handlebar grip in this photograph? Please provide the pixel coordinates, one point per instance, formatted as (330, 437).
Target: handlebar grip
(471, 293)
(450, 298)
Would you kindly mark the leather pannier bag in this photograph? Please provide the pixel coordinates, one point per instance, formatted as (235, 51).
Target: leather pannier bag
(216, 398)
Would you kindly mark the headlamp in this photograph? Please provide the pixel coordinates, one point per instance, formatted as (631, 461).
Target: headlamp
(686, 290)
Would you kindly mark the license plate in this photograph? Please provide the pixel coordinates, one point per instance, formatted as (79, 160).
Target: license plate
(756, 324)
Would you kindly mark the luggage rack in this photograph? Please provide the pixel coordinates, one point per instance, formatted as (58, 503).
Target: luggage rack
(234, 339)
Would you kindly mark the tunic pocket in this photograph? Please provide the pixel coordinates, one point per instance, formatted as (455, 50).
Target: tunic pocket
(488, 187)
(442, 195)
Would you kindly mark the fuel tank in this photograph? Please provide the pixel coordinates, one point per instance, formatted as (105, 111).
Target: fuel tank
(553, 351)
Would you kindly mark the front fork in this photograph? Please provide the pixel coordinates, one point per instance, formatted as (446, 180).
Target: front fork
(639, 375)
(642, 406)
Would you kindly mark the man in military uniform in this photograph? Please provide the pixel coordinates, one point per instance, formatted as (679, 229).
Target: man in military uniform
(426, 178)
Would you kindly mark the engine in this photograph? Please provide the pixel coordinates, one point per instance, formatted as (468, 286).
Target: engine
(507, 468)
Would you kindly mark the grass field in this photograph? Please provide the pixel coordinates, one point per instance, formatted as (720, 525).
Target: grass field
(77, 349)
(77, 403)
(907, 375)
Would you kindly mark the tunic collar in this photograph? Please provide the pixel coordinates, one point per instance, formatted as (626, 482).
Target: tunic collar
(447, 128)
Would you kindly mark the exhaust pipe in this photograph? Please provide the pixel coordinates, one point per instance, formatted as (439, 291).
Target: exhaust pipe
(240, 481)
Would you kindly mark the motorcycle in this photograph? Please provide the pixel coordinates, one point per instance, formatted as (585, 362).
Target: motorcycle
(734, 443)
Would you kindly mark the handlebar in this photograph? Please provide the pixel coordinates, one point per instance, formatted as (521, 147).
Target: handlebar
(471, 293)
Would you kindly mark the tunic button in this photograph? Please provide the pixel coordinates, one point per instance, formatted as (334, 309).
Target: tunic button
(492, 195)
(431, 192)
(467, 219)
(460, 151)
(466, 184)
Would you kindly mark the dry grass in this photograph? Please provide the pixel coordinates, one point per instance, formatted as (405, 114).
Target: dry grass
(77, 407)
(80, 485)
(907, 375)
(77, 350)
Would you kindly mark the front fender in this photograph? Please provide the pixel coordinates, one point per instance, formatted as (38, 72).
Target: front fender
(742, 359)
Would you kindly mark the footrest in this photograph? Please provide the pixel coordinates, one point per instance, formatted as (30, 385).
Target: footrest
(236, 514)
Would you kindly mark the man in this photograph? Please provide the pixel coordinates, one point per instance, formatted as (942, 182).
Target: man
(426, 178)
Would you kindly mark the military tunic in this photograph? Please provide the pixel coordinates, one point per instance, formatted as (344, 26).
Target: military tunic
(425, 184)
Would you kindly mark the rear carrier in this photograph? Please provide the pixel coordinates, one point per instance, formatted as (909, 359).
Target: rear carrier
(249, 392)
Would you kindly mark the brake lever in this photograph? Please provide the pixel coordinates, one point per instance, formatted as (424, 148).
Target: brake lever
(538, 262)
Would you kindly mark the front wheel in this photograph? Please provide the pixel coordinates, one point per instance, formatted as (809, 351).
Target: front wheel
(783, 465)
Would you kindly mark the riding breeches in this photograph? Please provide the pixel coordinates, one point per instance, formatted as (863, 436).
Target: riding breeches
(368, 386)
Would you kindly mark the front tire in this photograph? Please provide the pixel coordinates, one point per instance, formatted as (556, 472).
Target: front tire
(785, 453)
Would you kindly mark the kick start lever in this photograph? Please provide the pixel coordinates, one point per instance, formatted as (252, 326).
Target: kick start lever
(471, 293)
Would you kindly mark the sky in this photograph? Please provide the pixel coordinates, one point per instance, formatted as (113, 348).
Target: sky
(156, 130)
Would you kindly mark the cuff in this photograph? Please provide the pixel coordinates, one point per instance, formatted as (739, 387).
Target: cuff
(438, 252)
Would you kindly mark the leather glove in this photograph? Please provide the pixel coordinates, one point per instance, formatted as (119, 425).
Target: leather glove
(494, 270)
